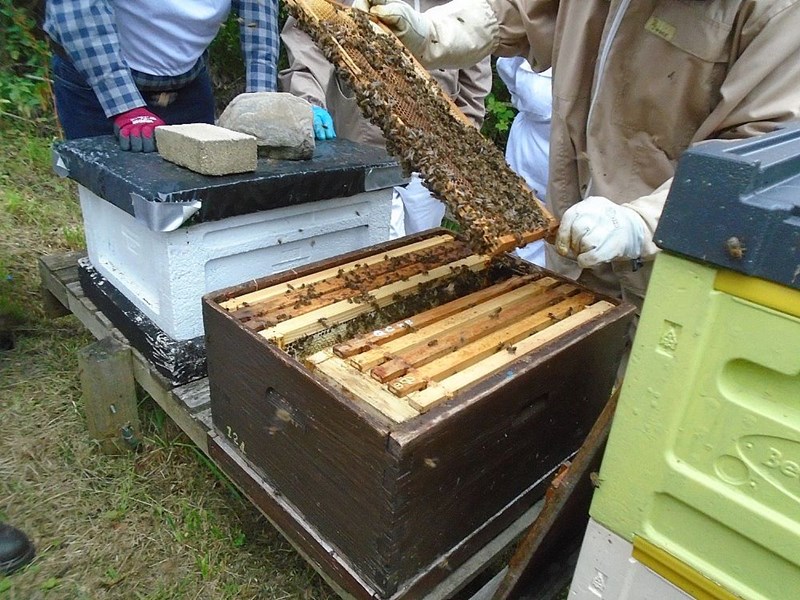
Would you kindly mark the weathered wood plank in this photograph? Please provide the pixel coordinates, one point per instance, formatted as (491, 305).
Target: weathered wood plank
(350, 381)
(290, 522)
(378, 337)
(305, 298)
(144, 373)
(58, 262)
(86, 312)
(453, 323)
(486, 557)
(486, 346)
(566, 508)
(195, 396)
(109, 394)
(503, 338)
(56, 272)
(520, 315)
(506, 243)
(52, 305)
(161, 391)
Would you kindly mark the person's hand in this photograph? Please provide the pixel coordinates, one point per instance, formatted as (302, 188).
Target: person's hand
(134, 129)
(596, 231)
(323, 124)
(409, 25)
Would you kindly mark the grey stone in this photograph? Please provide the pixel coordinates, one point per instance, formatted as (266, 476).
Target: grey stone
(207, 149)
(282, 123)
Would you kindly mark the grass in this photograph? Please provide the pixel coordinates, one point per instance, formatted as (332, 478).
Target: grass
(159, 524)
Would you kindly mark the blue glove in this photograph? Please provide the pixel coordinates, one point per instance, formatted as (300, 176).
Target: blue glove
(323, 124)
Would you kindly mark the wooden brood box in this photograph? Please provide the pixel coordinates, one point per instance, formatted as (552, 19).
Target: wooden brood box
(412, 399)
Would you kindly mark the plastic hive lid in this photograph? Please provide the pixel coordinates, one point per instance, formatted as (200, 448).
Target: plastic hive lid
(736, 205)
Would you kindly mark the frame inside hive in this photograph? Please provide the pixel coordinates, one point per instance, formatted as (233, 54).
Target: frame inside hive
(425, 130)
(404, 330)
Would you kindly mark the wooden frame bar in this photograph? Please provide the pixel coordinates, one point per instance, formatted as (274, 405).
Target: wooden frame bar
(343, 311)
(277, 290)
(446, 388)
(436, 330)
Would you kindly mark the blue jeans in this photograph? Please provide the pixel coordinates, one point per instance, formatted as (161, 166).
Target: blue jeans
(81, 115)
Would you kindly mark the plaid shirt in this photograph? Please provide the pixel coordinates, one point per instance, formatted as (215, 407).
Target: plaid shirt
(86, 31)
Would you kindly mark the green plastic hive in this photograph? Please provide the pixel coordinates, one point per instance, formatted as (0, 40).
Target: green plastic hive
(703, 459)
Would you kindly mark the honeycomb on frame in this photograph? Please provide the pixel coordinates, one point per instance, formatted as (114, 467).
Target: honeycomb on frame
(425, 130)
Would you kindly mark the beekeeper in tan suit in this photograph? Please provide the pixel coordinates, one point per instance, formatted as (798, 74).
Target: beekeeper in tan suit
(310, 76)
(635, 83)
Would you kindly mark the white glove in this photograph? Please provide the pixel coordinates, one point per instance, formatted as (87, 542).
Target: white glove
(412, 27)
(457, 34)
(596, 230)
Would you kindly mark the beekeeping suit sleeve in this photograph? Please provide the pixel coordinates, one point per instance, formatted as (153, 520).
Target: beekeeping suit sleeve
(453, 35)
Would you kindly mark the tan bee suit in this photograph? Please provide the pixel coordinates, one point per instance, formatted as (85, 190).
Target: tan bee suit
(635, 83)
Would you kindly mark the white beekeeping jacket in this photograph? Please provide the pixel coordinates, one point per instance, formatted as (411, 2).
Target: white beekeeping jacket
(528, 146)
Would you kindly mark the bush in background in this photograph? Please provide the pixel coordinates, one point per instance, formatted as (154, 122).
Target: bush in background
(25, 94)
(499, 112)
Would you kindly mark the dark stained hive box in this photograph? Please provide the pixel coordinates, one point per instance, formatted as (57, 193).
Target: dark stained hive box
(413, 399)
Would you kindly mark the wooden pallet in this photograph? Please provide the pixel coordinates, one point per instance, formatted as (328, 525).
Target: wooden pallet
(187, 405)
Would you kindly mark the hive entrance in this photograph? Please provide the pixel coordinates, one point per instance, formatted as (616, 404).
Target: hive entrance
(426, 131)
(404, 330)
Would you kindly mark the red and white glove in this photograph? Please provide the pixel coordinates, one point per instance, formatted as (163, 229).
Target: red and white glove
(134, 129)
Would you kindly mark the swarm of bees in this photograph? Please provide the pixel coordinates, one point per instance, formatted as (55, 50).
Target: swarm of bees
(461, 167)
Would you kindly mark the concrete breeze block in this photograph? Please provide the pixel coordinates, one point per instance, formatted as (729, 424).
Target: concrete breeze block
(207, 149)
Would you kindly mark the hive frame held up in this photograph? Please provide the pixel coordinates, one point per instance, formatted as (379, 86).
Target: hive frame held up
(425, 130)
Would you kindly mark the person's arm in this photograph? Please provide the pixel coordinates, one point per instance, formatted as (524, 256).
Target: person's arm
(456, 35)
(86, 31)
(758, 93)
(597, 230)
(260, 45)
(534, 92)
(308, 72)
(462, 32)
(474, 83)
(506, 68)
(307, 76)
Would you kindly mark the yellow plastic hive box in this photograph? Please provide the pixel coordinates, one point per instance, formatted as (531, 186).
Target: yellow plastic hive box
(703, 460)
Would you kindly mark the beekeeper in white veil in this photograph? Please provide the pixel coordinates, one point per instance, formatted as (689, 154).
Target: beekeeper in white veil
(528, 146)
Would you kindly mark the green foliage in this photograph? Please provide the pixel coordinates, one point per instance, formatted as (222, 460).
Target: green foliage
(50, 583)
(25, 97)
(499, 112)
(227, 64)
